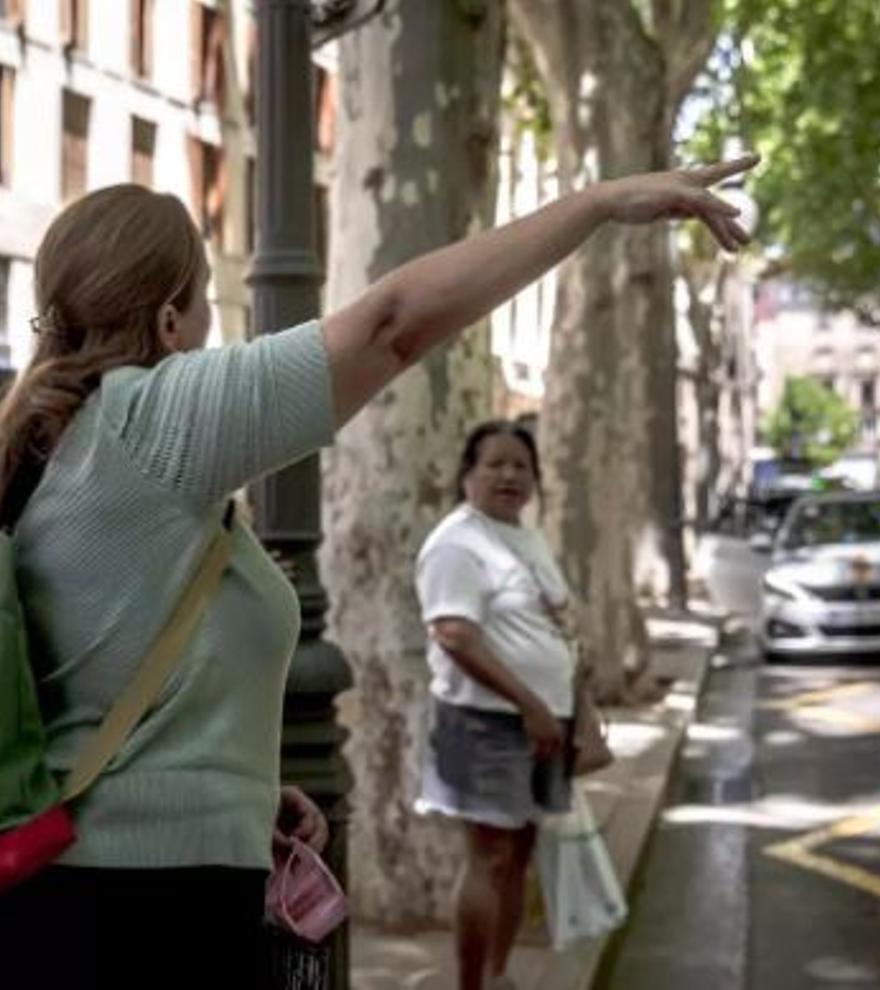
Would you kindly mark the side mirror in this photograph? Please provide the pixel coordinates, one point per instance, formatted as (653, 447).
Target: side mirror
(761, 542)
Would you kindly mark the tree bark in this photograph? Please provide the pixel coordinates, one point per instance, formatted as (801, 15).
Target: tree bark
(702, 278)
(417, 129)
(609, 430)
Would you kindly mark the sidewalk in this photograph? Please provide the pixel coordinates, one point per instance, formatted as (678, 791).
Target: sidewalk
(625, 798)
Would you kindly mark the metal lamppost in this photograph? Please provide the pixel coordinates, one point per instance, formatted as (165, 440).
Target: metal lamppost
(285, 277)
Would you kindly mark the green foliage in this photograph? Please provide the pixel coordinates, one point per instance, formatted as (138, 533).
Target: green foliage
(799, 80)
(526, 100)
(811, 423)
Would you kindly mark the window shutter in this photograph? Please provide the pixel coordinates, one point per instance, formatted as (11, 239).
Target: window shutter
(196, 51)
(147, 16)
(134, 15)
(215, 200)
(74, 144)
(7, 80)
(196, 158)
(66, 22)
(215, 69)
(81, 24)
(15, 11)
(250, 95)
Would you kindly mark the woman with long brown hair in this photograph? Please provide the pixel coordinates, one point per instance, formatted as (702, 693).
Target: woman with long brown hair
(119, 448)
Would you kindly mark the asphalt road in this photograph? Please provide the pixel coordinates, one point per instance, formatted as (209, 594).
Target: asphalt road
(764, 871)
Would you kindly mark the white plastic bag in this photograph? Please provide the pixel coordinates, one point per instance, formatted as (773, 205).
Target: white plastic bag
(582, 895)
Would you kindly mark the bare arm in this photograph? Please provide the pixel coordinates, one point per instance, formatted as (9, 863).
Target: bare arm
(429, 300)
(464, 643)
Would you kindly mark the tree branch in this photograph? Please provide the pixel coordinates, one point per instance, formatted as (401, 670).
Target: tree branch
(333, 18)
(686, 31)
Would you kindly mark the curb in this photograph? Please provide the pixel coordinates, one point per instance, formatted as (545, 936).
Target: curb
(627, 834)
(627, 799)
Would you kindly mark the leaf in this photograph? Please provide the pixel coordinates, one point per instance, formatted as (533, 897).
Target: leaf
(800, 81)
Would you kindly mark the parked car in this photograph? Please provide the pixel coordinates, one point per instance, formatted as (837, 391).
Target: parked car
(821, 592)
(858, 472)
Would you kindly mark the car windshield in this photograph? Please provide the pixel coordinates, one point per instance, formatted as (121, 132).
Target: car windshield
(833, 522)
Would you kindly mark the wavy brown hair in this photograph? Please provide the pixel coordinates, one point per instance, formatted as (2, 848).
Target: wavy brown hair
(105, 267)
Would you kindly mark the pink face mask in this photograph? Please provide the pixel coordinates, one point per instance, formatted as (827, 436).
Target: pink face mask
(303, 896)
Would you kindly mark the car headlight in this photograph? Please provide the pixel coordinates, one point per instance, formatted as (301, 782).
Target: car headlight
(783, 589)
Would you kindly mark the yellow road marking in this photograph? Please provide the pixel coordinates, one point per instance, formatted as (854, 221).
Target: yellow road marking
(817, 697)
(799, 852)
(853, 876)
(839, 716)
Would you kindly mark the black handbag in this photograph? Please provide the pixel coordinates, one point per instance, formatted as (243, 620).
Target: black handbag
(295, 964)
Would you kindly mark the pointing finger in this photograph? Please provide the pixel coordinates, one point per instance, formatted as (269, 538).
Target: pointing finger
(708, 175)
(719, 231)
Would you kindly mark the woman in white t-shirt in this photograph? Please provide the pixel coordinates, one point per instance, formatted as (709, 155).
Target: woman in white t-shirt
(501, 688)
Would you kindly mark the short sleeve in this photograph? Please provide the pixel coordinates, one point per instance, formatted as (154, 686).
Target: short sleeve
(452, 583)
(207, 422)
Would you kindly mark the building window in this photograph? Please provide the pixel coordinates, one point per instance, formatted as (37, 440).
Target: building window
(74, 144)
(7, 84)
(208, 70)
(325, 104)
(75, 24)
(868, 408)
(208, 173)
(12, 13)
(250, 87)
(5, 351)
(251, 204)
(142, 38)
(322, 225)
(143, 148)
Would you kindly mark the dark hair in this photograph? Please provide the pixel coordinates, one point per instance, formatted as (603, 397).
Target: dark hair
(493, 428)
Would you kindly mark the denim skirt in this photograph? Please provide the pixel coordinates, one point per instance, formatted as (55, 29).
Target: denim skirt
(478, 766)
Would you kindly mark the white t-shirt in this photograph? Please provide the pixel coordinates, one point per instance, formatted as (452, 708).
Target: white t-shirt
(497, 576)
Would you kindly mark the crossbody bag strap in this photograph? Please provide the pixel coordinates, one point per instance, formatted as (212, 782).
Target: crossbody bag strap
(553, 614)
(153, 671)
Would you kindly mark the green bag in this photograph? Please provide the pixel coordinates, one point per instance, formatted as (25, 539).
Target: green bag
(26, 786)
(34, 825)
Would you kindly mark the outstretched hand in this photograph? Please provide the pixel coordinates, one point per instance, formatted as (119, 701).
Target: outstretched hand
(682, 194)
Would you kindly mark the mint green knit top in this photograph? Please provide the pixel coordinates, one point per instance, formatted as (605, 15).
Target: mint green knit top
(129, 500)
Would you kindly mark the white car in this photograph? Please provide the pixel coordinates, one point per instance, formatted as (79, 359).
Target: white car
(821, 592)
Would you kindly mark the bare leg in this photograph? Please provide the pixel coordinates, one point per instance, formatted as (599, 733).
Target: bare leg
(512, 900)
(478, 900)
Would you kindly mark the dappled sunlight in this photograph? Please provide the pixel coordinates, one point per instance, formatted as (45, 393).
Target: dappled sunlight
(784, 737)
(834, 723)
(838, 970)
(704, 732)
(631, 739)
(833, 710)
(785, 812)
(680, 701)
(669, 630)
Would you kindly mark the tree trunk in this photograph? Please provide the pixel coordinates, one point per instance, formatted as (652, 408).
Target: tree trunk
(228, 266)
(609, 431)
(417, 128)
(703, 317)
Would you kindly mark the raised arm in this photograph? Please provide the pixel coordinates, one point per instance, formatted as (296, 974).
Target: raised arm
(429, 300)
